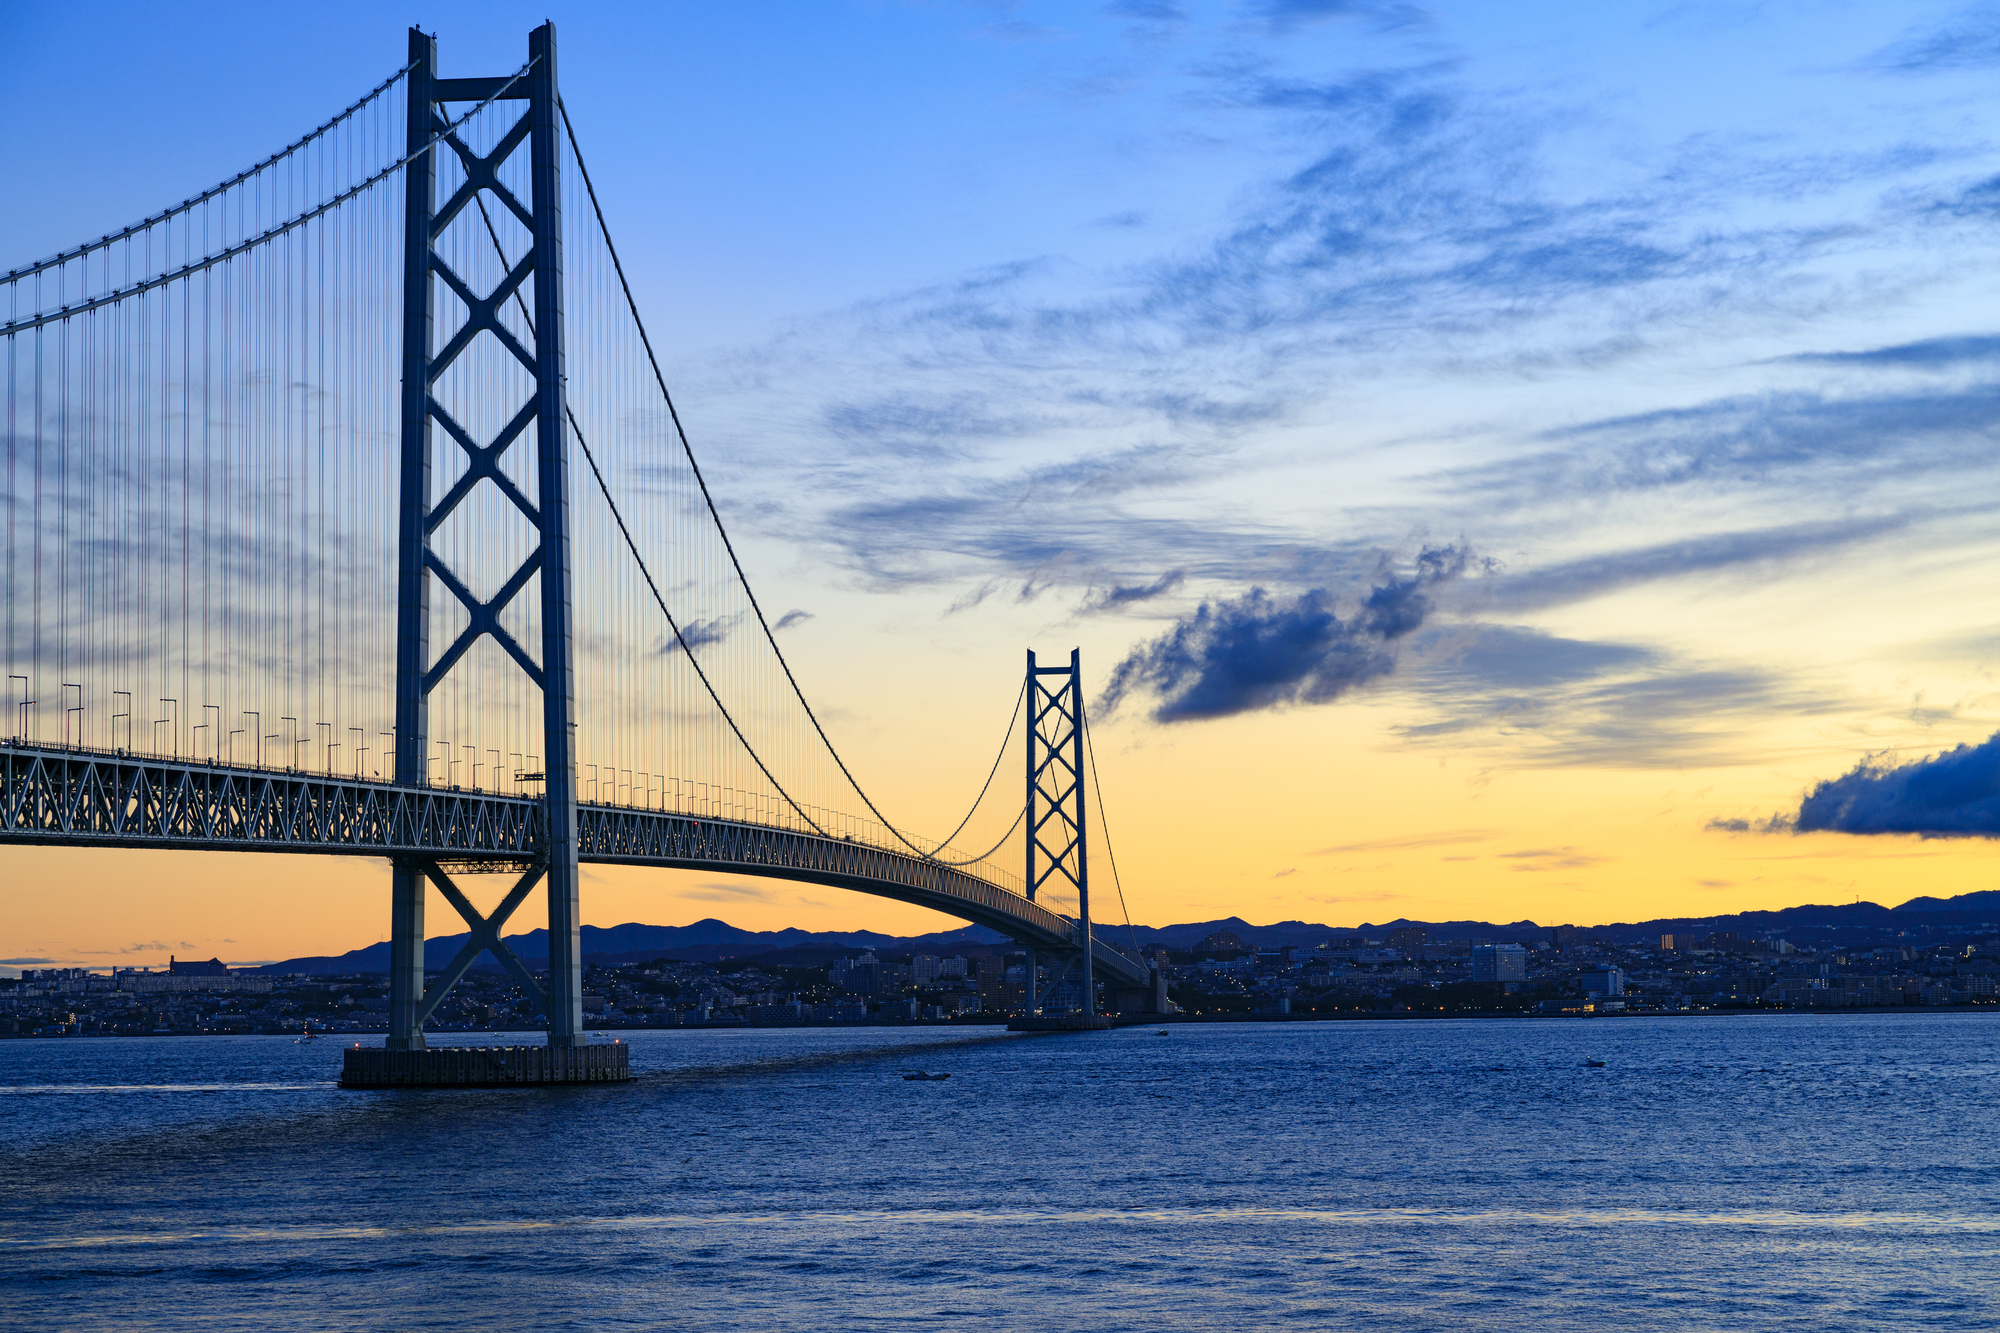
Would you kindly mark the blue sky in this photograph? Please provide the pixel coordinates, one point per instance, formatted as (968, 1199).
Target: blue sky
(1124, 324)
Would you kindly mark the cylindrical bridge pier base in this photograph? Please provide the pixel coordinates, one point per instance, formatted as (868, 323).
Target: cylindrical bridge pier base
(484, 1066)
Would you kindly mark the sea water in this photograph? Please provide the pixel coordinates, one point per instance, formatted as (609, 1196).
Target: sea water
(1727, 1172)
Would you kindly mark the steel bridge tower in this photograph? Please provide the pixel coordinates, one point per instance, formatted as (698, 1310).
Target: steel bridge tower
(426, 356)
(1055, 825)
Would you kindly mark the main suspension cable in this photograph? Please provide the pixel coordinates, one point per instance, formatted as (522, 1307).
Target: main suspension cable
(989, 778)
(633, 546)
(659, 377)
(188, 270)
(1104, 825)
(1019, 815)
(194, 201)
(749, 749)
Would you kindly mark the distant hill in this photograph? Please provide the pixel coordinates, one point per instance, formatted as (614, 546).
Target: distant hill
(1986, 900)
(706, 941)
(712, 941)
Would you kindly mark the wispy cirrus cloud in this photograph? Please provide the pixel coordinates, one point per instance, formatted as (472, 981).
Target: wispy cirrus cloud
(1570, 581)
(1147, 11)
(1541, 860)
(1448, 838)
(1553, 701)
(1970, 40)
(1130, 594)
(1420, 223)
(1286, 16)
(1087, 429)
(1824, 441)
(1923, 354)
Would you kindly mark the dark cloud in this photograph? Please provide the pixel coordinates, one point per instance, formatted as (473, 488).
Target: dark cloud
(791, 618)
(1257, 651)
(699, 634)
(1955, 794)
(25, 962)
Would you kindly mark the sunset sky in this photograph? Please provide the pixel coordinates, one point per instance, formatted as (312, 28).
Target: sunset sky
(1493, 458)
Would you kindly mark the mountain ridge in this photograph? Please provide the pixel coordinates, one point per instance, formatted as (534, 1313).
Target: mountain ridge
(712, 941)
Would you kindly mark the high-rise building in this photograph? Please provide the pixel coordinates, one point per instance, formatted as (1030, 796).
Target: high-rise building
(1498, 964)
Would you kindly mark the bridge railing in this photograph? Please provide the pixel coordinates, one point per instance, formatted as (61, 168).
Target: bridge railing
(71, 794)
(659, 793)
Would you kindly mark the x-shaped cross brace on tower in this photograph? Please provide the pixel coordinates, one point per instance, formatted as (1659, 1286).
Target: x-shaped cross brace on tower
(485, 939)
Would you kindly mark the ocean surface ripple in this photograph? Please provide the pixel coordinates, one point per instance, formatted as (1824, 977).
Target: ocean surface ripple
(1747, 1172)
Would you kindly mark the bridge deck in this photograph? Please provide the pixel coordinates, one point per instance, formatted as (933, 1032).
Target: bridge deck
(87, 798)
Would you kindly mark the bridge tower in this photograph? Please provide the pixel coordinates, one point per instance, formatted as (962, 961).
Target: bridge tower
(1055, 840)
(427, 353)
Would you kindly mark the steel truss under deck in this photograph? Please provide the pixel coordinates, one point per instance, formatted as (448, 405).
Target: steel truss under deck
(79, 798)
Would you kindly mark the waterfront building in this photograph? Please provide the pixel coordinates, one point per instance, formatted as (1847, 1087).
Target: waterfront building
(1499, 964)
(1605, 981)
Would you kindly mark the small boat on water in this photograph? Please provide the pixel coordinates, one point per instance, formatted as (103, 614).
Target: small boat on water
(1161, 1033)
(307, 1035)
(1594, 1064)
(919, 1076)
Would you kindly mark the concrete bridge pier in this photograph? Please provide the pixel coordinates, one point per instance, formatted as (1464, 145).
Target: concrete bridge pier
(406, 957)
(1148, 999)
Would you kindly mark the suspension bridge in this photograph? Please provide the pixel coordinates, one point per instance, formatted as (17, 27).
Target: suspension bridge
(347, 512)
